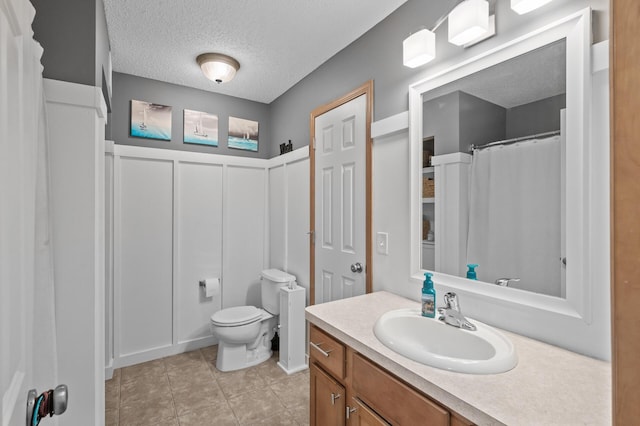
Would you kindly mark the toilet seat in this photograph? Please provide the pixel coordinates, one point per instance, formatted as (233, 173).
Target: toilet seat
(238, 315)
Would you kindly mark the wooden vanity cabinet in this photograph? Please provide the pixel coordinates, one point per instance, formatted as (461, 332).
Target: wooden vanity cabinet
(349, 389)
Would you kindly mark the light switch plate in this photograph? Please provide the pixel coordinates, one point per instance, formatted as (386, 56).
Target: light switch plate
(382, 243)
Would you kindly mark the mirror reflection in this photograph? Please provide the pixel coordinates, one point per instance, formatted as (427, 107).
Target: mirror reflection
(508, 119)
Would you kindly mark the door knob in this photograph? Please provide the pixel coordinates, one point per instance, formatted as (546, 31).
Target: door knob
(356, 267)
(53, 401)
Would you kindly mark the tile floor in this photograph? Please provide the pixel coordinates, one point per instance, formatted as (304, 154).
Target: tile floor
(187, 389)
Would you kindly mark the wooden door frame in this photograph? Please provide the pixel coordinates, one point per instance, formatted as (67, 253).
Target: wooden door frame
(625, 197)
(365, 89)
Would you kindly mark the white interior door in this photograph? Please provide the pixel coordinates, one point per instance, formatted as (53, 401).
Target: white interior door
(340, 201)
(27, 326)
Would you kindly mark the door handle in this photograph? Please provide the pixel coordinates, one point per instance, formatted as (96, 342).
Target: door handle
(53, 401)
(356, 268)
(334, 396)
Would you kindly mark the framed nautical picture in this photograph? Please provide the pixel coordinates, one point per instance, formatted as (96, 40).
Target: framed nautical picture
(200, 128)
(243, 134)
(152, 121)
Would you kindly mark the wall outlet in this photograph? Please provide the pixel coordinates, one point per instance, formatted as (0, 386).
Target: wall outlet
(382, 243)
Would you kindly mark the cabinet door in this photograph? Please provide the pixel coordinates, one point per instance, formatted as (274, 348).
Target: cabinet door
(361, 415)
(327, 399)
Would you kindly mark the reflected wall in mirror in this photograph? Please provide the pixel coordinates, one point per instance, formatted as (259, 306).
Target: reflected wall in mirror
(507, 118)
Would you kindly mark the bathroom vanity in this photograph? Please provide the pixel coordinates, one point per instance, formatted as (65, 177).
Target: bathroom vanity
(356, 380)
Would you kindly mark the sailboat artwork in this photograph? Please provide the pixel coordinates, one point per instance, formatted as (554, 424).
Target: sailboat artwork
(200, 128)
(151, 121)
(243, 134)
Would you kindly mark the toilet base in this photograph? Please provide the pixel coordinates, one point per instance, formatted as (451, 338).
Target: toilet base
(236, 357)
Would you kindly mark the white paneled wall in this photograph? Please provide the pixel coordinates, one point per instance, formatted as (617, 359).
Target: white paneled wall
(199, 251)
(143, 254)
(181, 217)
(244, 235)
(289, 216)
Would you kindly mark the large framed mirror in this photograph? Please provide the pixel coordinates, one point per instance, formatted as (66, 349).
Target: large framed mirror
(491, 100)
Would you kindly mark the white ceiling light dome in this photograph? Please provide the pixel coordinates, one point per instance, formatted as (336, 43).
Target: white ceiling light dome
(218, 67)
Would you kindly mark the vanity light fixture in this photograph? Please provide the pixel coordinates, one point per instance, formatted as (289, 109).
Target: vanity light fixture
(218, 67)
(468, 21)
(525, 6)
(419, 48)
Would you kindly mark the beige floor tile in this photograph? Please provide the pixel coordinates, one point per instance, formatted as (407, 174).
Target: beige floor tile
(111, 417)
(197, 396)
(255, 406)
(292, 391)
(213, 415)
(270, 371)
(150, 409)
(241, 381)
(190, 375)
(142, 392)
(112, 395)
(301, 414)
(283, 418)
(151, 422)
(184, 360)
(210, 352)
(153, 368)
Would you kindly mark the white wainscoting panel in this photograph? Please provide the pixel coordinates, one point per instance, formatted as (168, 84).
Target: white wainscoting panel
(244, 235)
(199, 246)
(452, 210)
(297, 186)
(144, 255)
(278, 217)
(181, 217)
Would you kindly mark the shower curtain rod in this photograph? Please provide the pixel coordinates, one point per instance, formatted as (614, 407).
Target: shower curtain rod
(473, 147)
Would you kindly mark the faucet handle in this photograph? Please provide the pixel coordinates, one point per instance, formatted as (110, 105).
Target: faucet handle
(451, 301)
(504, 282)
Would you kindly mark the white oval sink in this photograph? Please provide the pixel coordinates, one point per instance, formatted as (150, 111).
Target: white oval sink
(432, 342)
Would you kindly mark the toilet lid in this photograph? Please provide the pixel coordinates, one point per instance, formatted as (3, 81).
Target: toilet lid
(238, 315)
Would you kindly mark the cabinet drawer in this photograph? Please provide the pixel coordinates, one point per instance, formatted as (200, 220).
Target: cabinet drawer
(327, 352)
(398, 403)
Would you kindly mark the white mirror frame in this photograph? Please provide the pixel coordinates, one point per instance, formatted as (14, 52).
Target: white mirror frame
(576, 28)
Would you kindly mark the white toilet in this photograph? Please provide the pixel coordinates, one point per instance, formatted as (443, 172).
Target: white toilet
(244, 332)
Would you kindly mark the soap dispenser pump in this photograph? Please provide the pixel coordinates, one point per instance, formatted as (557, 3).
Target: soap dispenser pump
(428, 297)
(471, 272)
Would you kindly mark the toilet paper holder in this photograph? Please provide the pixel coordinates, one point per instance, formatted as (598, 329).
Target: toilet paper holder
(201, 283)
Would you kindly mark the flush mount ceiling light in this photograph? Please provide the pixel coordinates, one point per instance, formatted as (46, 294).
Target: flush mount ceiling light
(468, 21)
(218, 67)
(525, 6)
(419, 48)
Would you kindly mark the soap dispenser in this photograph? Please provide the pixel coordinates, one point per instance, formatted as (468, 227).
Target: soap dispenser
(471, 272)
(428, 297)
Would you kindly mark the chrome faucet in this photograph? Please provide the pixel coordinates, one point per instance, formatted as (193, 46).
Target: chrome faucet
(504, 282)
(451, 314)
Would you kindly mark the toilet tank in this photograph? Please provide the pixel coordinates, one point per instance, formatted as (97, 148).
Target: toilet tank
(270, 282)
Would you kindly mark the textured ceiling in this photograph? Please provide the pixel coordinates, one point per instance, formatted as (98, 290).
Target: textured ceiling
(277, 42)
(527, 78)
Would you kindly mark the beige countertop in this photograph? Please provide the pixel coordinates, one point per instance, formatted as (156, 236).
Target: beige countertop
(549, 386)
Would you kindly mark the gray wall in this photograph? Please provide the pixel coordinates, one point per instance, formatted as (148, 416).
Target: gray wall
(127, 87)
(74, 36)
(377, 55)
(458, 119)
(537, 117)
(66, 30)
(441, 119)
(480, 121)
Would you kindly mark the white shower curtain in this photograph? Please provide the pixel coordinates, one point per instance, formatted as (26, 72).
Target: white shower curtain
(514, 214)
